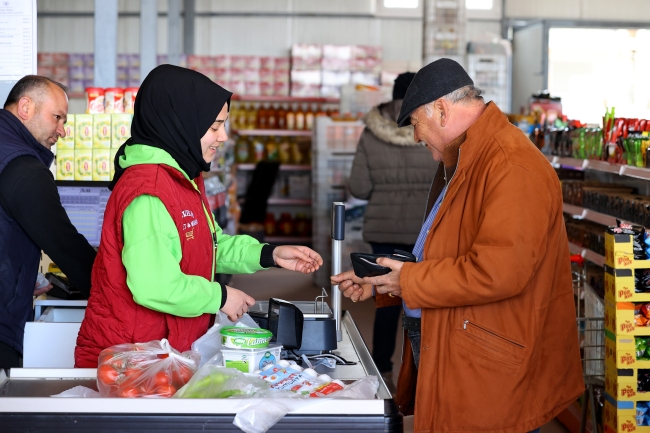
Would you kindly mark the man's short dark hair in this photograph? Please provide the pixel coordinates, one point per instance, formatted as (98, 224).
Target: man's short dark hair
(28, 84)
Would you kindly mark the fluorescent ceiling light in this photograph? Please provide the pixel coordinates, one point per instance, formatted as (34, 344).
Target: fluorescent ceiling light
(479, 4)
(402, 4)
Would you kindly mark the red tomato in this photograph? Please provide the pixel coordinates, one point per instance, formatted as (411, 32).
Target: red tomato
(181, 375)
(129, 392)
(107, 374)
(162, 379)
(165, 391)
(163, 355)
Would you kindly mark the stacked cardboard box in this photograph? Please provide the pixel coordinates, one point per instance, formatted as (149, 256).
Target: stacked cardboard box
(88, 149)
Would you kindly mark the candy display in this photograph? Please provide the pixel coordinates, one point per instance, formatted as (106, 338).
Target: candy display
(642, 413)
(153, 369)
(643, 380)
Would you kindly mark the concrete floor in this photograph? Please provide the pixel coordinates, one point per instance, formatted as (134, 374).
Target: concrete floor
(292, 286)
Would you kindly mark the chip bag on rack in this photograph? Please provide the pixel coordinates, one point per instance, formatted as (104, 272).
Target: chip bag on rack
(153, 369)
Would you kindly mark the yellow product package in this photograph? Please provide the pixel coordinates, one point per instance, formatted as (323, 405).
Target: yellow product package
(67, 142)
(65, 164)
(121, 125)
(101, 164)
(111, 163)
(83, 164)
(101, 131)
(83, 138)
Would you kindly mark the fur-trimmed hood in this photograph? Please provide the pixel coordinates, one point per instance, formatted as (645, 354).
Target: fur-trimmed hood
(381, 122)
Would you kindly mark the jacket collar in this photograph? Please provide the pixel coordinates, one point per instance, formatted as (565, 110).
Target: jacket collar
(488, 124)
(19, 130)
(380, 121)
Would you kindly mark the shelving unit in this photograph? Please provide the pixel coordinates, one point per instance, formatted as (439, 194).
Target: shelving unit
(590, 215)
(283, 167)
(286, 201)
(587, 254)
(252, 98)
(275, 132)
(606, 167)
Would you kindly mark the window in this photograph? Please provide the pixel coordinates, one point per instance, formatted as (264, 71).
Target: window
(484, 5)
(591, 69)
(402, 4)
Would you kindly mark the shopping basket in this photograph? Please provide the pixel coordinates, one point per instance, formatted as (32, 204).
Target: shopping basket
(591, 333)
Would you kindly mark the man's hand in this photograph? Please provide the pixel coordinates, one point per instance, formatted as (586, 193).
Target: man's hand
(297, 258)
(352, 286)
(40, 291)
(388, 283)
(237, 303)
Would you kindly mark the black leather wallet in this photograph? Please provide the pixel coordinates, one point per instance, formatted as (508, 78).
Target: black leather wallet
(365, 265)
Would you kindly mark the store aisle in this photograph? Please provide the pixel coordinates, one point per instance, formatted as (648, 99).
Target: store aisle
(291, 286)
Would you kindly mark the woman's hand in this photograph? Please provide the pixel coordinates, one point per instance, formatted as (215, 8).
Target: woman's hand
(297, 258)
(352, 286)
(237, 303)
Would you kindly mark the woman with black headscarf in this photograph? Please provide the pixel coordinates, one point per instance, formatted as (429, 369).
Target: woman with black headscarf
(160, 246)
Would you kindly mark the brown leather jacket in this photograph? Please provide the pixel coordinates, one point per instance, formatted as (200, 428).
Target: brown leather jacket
(499, 349)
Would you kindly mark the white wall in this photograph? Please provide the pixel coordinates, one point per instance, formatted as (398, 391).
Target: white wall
(593, 10)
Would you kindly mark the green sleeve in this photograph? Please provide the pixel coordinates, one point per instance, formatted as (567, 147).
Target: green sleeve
(238, 254)
(152, 255)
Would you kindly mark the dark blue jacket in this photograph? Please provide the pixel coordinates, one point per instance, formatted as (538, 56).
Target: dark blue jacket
(19, 254)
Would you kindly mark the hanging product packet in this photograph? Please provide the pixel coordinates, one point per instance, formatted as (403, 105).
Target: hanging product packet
(152, 369)
(641, 250)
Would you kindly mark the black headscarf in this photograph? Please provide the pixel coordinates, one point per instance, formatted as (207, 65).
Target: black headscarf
(173, 110)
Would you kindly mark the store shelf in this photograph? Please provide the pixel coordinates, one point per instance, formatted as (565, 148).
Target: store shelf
(606, 167)
(285, 201)
(590, 215)
(587, 254)
(253, 98)
(283, 167)
(288, 239)
(276, 132)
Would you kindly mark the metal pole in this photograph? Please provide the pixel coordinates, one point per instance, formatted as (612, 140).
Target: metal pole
(189, 8)
(174, 35)
(105, 43)
(338, 235)
(148, 36)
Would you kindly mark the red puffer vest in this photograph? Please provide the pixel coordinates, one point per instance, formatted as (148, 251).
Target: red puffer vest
(112, 317)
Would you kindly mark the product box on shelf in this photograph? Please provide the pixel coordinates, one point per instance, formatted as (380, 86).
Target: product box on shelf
(83, 164)
(101, 131)
(620, 286)
(626, 351)
(111, 163)
(83, 138)
(101, 164)
(625, 318)
(623, 384)
(626, 416)
(121, 129)
(67, 142)
(65, 164)
(619, 253)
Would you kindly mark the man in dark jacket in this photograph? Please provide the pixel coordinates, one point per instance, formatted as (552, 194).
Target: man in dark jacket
(31, 215)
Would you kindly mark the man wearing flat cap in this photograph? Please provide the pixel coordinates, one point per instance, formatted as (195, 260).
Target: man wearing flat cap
(490, 318)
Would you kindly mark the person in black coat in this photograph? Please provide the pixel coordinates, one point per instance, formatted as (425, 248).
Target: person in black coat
(31, 215)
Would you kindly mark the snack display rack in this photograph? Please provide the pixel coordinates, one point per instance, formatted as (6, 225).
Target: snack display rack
(622, 364)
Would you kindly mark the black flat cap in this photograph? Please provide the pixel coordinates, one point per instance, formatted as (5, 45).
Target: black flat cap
(435, 80)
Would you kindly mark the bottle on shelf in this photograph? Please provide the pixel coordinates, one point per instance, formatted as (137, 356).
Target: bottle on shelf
(271, 149)
(296, 153)
(258, 149)
(282, 117)
(309, 118)
(285, 224)
(270, 226)
(262, 117)
(300, 119)
(233, 116)
(243, 117)
(284, 151)
(321, 111)
(291, 118)
(242, 150)
(300, 225)
(271, 117)
(252, 117)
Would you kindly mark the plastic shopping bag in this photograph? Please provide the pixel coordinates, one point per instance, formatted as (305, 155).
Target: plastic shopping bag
(214, 381)
(153, 369)
(209, 344)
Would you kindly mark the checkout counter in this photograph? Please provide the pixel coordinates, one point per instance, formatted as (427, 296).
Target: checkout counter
(26, 405)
